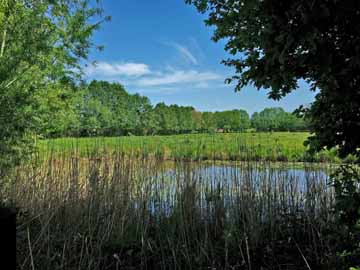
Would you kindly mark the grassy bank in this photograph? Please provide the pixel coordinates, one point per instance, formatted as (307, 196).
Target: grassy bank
(275, 146)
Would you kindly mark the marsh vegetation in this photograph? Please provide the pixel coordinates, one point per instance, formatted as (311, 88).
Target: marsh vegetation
(107, 208)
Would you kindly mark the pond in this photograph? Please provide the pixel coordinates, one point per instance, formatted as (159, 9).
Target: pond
(286, 187)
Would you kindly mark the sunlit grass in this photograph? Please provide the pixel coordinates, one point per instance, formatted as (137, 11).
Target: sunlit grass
(275, 146)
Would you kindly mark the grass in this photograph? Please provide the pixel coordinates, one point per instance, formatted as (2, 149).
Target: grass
(117, 210)
(276, 146)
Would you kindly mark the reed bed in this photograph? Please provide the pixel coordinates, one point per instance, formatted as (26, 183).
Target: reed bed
(121, 211)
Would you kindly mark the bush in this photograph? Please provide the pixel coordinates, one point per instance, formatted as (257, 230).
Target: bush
(346, 181)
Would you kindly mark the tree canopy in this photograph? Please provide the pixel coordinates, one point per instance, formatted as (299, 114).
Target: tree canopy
(276, 119)
(277, 42)
(41, 45)
(101, 108)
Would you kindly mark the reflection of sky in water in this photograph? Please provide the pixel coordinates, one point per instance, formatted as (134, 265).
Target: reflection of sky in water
(227, 175)
(290, 186)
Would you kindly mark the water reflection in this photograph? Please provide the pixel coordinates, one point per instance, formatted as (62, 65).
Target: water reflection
(284, 188)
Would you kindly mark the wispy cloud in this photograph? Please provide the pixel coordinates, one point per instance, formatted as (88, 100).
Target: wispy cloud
(179, 77)
(184, 52)
(166, 80)
(117, 69)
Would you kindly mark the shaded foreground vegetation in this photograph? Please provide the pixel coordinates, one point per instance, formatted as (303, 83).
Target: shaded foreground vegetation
(121, 211)
(275, 146)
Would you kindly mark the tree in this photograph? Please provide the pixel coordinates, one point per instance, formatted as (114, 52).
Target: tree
(208, 121)
(148, 120)
(267, 120)
(166, 118)
(244, 120)
(143, 117)
(196, 120)
(54, 112)
(41, 43)
(276, 119)
(113, 98)
(234, 120)
(106, 108)
(185, 118)
(277, 42)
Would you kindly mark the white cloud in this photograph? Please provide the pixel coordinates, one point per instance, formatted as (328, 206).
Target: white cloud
(184, 52)
(118, 69)
(179, 77)
(166, 80)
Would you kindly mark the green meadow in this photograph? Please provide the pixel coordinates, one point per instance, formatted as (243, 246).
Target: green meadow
(272, 146)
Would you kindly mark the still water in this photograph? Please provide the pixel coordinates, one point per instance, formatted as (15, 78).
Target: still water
(263, 185)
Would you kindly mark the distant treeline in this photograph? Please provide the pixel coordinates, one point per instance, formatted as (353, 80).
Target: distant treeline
(101, 108)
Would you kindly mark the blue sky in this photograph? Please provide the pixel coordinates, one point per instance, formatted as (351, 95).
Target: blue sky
(163, 50)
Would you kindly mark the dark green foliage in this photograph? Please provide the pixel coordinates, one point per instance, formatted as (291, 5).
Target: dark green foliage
(336, 119)
(277, 42)
(346, 181)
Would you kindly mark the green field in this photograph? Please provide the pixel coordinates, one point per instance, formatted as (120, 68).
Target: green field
(274, 146)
